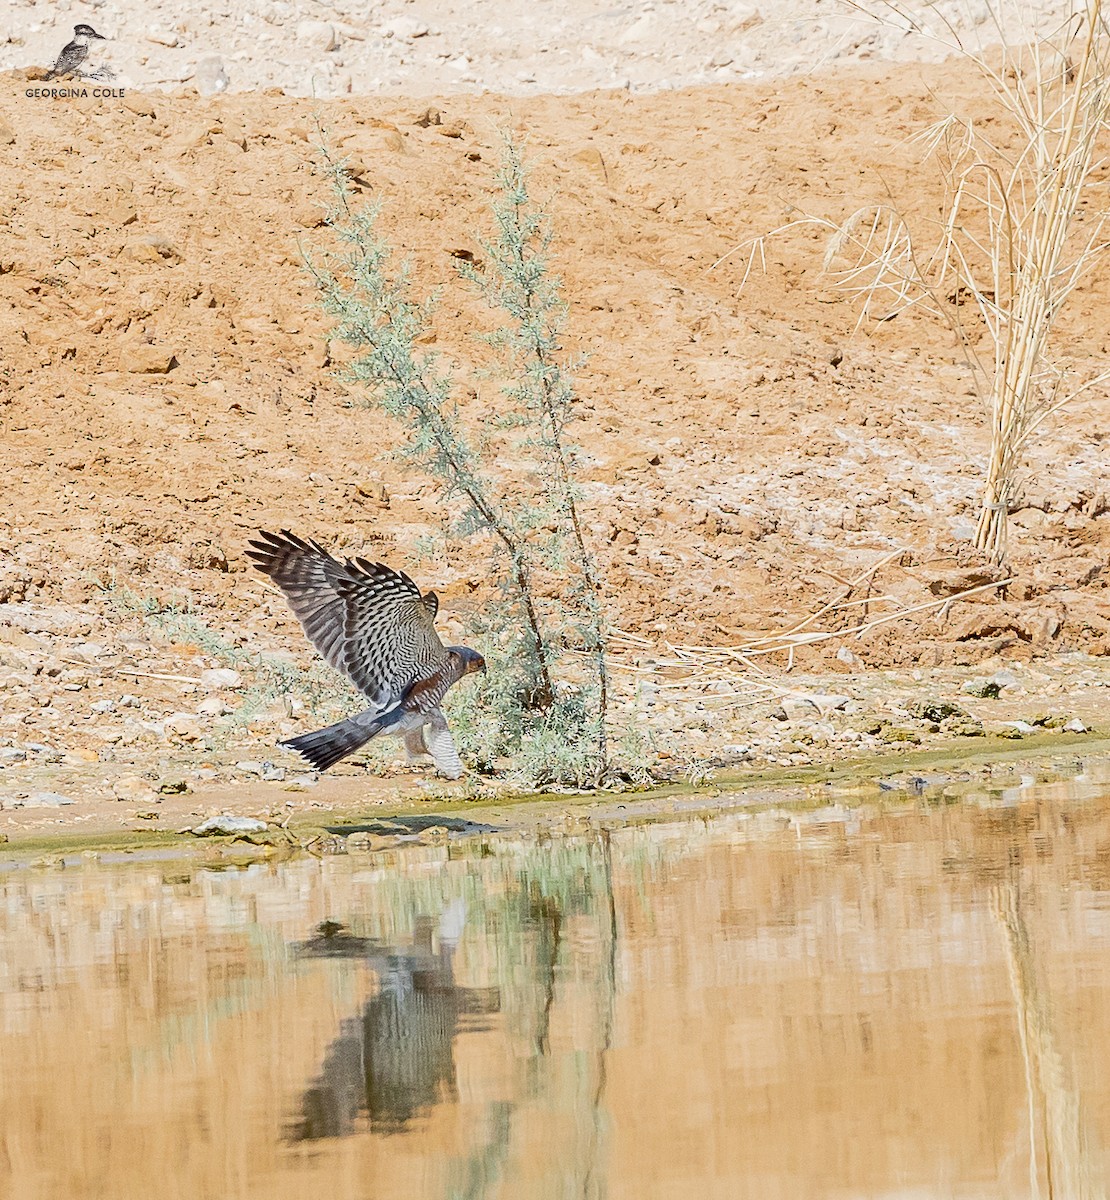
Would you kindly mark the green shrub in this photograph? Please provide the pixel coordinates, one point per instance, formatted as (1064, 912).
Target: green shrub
(543, 703)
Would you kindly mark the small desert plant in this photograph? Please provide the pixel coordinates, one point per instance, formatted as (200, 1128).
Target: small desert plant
(524, 522)
(269, 676)
(1016, 235)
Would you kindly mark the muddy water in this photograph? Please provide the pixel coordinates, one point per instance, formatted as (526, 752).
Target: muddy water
(910, 999)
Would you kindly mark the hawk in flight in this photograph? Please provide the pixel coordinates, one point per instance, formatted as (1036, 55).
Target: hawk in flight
(371, 623)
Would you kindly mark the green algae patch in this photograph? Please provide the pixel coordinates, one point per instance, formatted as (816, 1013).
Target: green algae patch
(768, 787)
(955, 754)
(122, 841)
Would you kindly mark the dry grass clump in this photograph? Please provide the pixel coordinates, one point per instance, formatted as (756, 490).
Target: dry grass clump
(1017, 234)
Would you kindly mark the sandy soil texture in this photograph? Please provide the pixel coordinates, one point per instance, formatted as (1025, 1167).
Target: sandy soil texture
(168, 387)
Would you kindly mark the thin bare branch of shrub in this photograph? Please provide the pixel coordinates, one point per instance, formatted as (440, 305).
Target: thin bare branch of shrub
(521, 526)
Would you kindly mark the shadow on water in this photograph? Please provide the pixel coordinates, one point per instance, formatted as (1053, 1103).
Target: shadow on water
(413, 824)
(904, 997)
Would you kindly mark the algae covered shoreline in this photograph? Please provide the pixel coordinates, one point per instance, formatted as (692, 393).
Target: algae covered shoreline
(946, 775)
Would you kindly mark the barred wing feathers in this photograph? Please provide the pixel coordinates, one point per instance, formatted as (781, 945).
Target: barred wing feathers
(308, 577)
(390, 639)
(366, 619)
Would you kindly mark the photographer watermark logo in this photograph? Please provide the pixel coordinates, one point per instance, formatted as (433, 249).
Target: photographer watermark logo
(70, 67)
(73, 55)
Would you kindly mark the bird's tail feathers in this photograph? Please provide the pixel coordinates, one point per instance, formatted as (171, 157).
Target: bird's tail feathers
(323, 748)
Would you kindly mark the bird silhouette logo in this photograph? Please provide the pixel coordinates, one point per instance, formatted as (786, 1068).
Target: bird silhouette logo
(74, 53)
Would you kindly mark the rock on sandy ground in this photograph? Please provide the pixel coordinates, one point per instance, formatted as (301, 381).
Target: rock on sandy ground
(321, 48)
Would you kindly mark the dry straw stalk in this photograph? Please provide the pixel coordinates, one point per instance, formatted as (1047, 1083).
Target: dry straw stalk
(1016, 236)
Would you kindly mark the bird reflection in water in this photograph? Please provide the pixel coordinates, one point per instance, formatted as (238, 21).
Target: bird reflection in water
(396, 1059)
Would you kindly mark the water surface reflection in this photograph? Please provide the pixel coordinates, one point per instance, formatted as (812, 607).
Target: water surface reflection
(906, 1000)
(396, 1059)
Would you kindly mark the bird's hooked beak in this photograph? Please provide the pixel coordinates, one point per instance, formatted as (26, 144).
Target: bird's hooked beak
(478, 663)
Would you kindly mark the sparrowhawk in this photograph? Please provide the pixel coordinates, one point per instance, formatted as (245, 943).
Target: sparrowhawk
(372, 623)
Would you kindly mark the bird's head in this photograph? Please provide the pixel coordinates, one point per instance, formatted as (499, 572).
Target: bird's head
(87, 31)
(472, 661)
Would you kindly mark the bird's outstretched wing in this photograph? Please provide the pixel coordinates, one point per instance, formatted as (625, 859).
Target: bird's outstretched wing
(308, 577)
(366, 619)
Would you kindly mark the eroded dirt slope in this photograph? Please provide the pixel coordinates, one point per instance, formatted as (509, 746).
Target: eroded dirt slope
(167, 388)
(745, 452)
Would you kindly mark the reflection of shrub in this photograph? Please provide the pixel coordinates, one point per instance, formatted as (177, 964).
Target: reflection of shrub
(525, 522)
